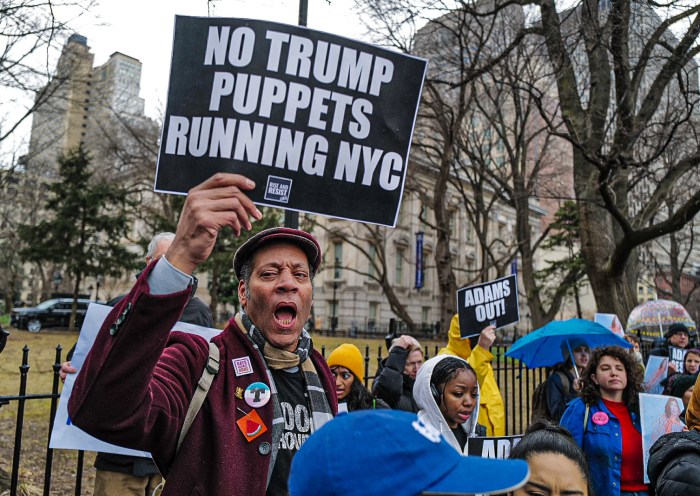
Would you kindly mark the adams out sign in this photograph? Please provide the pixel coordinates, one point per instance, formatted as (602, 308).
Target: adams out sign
(492, 303)
(321, 123)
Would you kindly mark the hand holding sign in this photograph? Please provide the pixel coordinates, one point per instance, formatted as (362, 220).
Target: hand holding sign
(218, 202)
(405, 341)
(494, 303)
(487, 337)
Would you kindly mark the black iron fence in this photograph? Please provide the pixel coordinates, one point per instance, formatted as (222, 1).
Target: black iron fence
(515, 381)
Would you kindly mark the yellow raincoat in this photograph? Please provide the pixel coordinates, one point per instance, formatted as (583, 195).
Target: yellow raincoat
(491, 409)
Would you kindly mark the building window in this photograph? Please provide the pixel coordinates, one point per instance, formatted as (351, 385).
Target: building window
(372, 257)
(469, 232)
(338, 259)
(398, 272)
(372, 315)
(425, 315)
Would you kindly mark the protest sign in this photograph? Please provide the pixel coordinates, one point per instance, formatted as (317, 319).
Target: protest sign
(491, 303)
(610, 321)
(676, 356)
(65, 435)
(659, 415)
(656, 371)
(321, 123)
(492, 447)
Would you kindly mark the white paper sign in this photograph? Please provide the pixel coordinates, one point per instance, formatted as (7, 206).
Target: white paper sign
(65, 435)
(659, 415)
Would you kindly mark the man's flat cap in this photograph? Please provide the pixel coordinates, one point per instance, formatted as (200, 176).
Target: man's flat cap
(302, 239)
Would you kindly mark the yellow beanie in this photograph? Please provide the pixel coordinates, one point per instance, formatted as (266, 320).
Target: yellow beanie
(348, 356)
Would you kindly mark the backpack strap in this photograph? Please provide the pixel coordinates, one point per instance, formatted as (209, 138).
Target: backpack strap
(565, 384)
(208, 374)
(210, 370)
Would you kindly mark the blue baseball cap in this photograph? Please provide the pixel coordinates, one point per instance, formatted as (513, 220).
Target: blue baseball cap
(380, 452)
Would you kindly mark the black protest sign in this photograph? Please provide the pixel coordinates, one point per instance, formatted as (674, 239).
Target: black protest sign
(677, 356)
(492, 303)
(321, 123)
(492, 447)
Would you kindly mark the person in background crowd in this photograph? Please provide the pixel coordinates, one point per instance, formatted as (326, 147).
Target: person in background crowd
(691, 361)
(243, 440)
(563, 384)
(604, 421)
(692, 413)
(348, 368)
(447, 393)
(678, 336)
(558, 466)
(3, 338)
(491, 410)
(397, 373)
(122, 475)
(691, 365)
(636, 350)
(682, 387)
(389, 452)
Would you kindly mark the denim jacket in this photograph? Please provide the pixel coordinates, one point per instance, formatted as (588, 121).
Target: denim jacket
(602, 444)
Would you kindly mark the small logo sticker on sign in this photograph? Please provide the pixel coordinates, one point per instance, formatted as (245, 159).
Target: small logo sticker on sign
(278, 189)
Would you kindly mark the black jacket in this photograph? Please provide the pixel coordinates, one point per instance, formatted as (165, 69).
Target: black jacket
(392, 385)
(559, 393)
(674, 464)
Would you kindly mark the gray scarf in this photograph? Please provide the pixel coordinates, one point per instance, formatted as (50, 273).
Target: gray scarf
(276, 359)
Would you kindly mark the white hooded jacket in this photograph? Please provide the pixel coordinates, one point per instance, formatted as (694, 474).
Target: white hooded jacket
(430, 411)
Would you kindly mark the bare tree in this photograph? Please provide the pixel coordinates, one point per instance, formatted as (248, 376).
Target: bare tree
(628, 89)
(510, 157)
(31, 33)
(459, 38)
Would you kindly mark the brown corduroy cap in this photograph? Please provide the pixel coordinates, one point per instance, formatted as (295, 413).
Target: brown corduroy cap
(302, 239)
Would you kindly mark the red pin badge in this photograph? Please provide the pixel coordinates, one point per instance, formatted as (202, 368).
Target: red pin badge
(251, 425)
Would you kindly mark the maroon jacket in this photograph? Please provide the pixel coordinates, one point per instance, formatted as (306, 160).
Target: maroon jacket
(137, 383)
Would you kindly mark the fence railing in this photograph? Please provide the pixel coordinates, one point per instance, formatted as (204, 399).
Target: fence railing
(516, 383)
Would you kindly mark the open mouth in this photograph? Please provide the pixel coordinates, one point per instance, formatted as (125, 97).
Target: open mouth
(285, 314)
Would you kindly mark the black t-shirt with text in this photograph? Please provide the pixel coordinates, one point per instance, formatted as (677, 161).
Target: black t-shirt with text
(292, 395)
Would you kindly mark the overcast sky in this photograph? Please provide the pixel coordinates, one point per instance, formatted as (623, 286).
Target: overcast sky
(143, 29)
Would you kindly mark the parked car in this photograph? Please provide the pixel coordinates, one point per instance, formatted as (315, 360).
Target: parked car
(49, 313)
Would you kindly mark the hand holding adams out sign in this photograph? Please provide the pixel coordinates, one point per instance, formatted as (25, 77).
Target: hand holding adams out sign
(492, 303)
(321, 123)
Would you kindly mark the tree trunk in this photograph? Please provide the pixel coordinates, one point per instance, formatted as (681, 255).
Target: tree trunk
(614, 288)
(447, 281)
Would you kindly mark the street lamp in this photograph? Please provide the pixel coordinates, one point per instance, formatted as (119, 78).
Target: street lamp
(334, 317)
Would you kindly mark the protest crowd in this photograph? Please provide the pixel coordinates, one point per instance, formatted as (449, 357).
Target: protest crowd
(258, 410)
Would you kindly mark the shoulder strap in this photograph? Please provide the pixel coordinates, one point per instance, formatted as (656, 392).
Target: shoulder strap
(208, 374)
(585, 418)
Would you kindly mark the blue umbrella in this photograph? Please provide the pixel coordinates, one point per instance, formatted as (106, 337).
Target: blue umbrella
(543, 347)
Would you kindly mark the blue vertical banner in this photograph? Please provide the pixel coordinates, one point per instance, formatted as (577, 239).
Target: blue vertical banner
(514, 266)
(420, 266)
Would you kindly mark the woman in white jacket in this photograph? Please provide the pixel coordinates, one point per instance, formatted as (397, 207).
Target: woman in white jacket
(447, 394)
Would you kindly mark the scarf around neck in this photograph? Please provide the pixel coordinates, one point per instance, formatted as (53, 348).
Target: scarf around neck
(278, 359)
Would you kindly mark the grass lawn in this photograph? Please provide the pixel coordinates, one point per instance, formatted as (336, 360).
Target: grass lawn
(42, 346)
